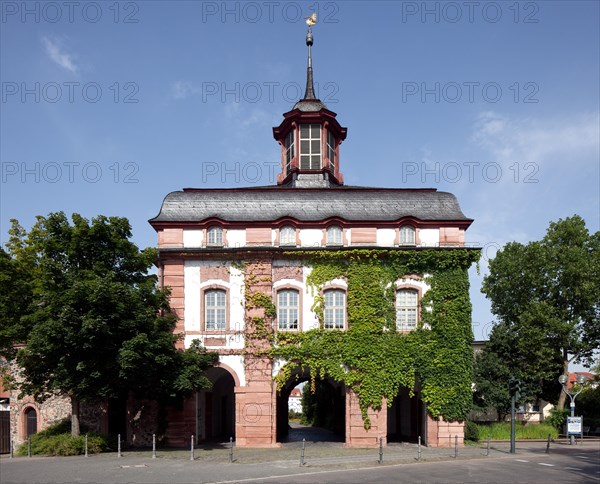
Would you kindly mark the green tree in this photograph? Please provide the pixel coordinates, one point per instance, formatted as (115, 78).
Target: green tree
(97, 326)
(491, 377)
(546, 296)
(16, 295)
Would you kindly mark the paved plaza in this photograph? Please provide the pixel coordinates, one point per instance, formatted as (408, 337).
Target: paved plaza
(323, 462)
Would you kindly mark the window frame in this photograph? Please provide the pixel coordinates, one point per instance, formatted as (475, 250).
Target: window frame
(212, 230)
(331, 142)
(293, 241)
(205, 308)
(329, 241)
(310, 140)
(404, 326)
(289, 144)
(337, 309)
(298, 308)
(411, 230)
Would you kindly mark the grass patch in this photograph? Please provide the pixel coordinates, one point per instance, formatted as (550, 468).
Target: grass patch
(501, 431)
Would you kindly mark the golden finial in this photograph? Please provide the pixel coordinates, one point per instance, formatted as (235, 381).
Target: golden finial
(312, 20)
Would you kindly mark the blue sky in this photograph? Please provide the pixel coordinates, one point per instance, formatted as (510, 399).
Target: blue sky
(108, 106)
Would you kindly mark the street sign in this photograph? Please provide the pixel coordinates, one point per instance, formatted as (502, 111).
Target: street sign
(575, 425)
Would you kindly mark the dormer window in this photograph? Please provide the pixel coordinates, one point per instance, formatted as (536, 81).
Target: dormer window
(334, 235)
(287, 236)
(310, 146)
(215, 236)
(290, 150)
(331, 150)
(407, 235)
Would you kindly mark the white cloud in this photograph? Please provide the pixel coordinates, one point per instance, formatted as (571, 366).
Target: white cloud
(541, 141)
(182, 89)
(57, 53)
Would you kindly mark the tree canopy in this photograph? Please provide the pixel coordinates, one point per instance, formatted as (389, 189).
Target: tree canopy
(546, 296)
(93, 323)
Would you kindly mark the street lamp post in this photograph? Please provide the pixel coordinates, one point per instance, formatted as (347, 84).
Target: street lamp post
(564, 381)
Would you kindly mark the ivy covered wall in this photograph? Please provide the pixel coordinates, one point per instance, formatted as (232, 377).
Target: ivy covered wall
(370, 357)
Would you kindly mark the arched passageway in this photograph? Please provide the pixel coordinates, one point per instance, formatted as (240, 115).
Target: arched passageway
(216, 408)
(326, 412)
(406, 418)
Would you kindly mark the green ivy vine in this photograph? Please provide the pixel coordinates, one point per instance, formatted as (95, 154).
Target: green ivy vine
(370, 357)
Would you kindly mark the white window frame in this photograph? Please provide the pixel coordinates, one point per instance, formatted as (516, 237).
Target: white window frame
(407, 311)
(287, 235)
(408, 235)
(311, 141)
(334, 311)
(215, 313)
(331, 149)
(334, 235)
(286, 310)
(290, 149)
(214, 236)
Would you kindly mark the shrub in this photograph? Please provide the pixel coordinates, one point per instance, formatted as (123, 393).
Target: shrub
(294, 415)
(57, 440)
(63, 444)
(557, 417)
(471, 431)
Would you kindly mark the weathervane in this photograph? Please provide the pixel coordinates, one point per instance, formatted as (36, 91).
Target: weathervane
(310, 21)
(310, 90)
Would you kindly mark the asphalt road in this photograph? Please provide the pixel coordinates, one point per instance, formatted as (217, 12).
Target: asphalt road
(563, 464)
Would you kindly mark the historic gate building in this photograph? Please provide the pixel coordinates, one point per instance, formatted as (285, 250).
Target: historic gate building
(210, 240)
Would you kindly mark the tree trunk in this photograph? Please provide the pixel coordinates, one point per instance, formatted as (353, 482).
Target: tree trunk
(563, 396)
(74, 416)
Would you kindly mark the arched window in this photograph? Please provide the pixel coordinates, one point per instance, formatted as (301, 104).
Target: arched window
(334, 235)
(334, 311)
(215, 236)
(407, 301)
(30, 421)
(407, 235)
(215, 310)
(287, 309)
(287, 236)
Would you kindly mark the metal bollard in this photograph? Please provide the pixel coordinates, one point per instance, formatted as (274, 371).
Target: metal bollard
(29, 446)
(419, 449)
(192, 448)
(86, 445)
(548, 444)
(119, 445)
(154, 446)
(230, 449)
(12, 448)
(380, 450)
(302, 453)
(455, 446)
(488, 444)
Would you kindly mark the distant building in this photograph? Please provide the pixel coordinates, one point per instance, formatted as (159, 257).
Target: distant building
(295, 401)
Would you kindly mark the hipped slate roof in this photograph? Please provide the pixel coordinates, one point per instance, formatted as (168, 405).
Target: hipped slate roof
(268, 204)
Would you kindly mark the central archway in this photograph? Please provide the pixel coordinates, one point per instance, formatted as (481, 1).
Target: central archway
(328, 411)
(216, 407)
(406, 418)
